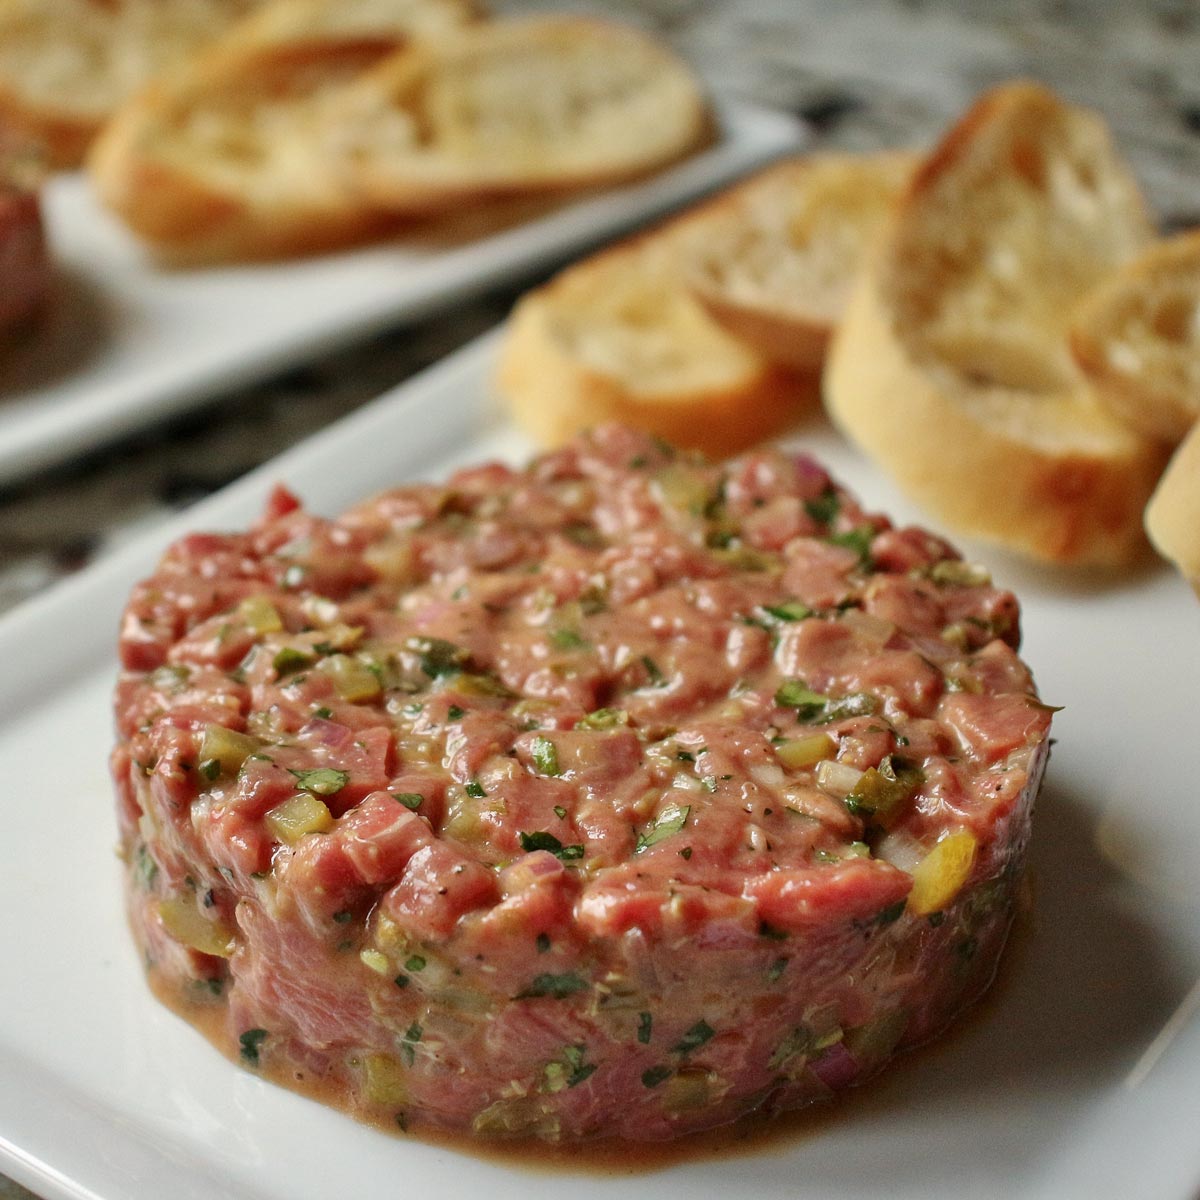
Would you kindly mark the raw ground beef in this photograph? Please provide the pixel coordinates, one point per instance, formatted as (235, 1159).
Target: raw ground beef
(617, 795)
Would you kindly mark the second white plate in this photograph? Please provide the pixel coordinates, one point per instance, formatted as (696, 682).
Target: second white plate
(127, 343)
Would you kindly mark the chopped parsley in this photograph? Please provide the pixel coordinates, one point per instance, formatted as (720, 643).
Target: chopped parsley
(414, 962)
(645, 1027)
(410, 800)
(825, 507)
(657, 678)
(323, 712)
(604, 718)
(789, 610)
(695, 1037)
(859, 540)
(567, 639)
(454, 712)
(560, 812)
(438, 657)
(655, 1075)
(558, 987)
(250, 1043)
(814, 708)
(474, 789)
(671, 820)
(541, 840)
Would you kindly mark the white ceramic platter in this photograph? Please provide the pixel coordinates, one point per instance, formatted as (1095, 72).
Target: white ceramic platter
(1044, 1093)
(127, 343)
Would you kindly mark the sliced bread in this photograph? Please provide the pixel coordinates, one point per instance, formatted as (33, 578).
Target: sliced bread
(775, 257)
(231, 156)
(65, 65)
(1173, 515)
(618, 337)
(951, 367)
(518, 107)
(1137, 338)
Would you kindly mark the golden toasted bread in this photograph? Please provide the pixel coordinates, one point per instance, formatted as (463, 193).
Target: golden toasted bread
(951, 367)
(620, 337)
(233, 155)
(774, 257)
(1137, 338)
(65, 65)
(536, 105)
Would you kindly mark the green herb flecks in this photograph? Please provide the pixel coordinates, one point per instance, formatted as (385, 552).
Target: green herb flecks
(251, 1042)
(437, 657)
(825, 507)
(604, 718)
(541, 840)
(697, 1036)
(814, 708)
(652, 1077)
(789, 610)
(671, 820)
(411, 800)
(645, 1027)
(557, 987)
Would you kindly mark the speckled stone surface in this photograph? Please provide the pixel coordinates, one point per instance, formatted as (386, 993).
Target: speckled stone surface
(867, 74)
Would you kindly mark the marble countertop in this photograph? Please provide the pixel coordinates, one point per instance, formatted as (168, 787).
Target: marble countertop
(864, 75)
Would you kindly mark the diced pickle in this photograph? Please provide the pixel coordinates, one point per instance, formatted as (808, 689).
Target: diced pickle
(804, 752)
(352, 679)
(682, 488)
(230, 749)
(940, 875)
(882, 791)
(688, 1088)
(384, 1079)
(875, 1041)
(185, 923)
(260, 614)
(302, 814)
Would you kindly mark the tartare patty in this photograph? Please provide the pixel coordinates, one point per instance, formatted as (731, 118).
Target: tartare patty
(618, 795)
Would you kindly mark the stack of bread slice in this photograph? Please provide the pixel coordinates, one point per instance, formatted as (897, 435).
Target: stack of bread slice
(313, 125)
(66, 65)
(709, 330)
(1137, 337)
(952, 367)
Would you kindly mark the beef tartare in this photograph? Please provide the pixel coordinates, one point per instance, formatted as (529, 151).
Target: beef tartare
(617, 795)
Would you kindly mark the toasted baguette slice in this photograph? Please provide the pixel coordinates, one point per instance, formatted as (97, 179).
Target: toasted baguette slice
(231, 156)
(776, 256)
(1137, 338)
(518, 107)
(1173, 514)
(65, 65)
(618, 337)
(951, 367)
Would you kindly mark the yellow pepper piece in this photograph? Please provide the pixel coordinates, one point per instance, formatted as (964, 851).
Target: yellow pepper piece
(940, 875)
(185, 923)
(302, 814)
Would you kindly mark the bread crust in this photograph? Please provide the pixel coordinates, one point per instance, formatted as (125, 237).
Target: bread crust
(729, 398)
(775, 254)
(1137, 339)
(1001, 440)
(1173, 514)
(449, 161)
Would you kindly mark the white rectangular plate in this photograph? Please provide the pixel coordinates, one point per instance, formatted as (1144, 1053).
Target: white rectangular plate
(127, 343)
(1038, 1095)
